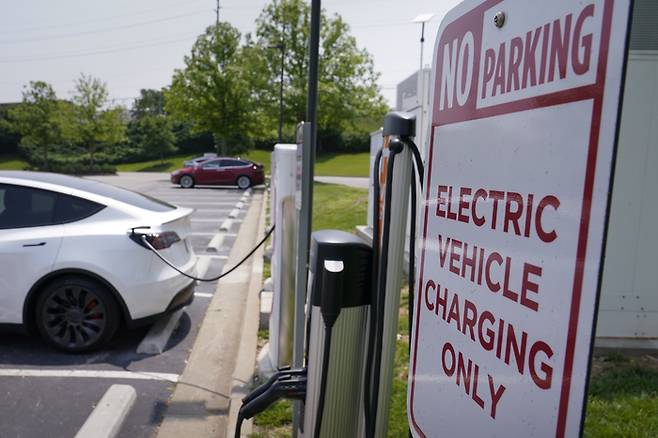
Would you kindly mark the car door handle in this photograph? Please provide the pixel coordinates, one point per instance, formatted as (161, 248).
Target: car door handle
(29, 245)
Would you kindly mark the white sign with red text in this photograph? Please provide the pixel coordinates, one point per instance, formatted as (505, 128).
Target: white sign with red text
(518, 171)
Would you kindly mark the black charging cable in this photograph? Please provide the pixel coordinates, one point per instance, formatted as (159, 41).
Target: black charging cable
(418, 173)
(373, 297)
(373, 370)
(330, 305)
(224, 274)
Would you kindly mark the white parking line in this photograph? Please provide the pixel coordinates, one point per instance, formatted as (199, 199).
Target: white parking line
(107, 417)
(157, 337)
(93, 374)
(203, 219)
(210, 210)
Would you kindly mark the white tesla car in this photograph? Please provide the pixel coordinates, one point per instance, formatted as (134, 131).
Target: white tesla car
(73, 266)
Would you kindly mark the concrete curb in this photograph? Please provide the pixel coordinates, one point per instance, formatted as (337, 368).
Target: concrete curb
(200, 404)
(107, 417)
(246, 360)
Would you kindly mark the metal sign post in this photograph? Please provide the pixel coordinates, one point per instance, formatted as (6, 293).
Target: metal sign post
(525, 106)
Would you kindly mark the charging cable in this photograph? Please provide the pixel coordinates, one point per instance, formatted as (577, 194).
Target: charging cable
(376, 327)
(171, 265)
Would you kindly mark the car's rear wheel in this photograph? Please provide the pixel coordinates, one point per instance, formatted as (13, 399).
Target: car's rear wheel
(186, 182)
(75, 314)
(243, 182)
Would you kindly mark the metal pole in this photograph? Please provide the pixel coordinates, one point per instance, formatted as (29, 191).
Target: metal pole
(306, 213)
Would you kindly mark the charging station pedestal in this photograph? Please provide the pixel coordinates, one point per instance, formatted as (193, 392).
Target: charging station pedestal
(339, 282)
(278, 351)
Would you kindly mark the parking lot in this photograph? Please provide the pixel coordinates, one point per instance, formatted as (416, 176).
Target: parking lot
(46, 392)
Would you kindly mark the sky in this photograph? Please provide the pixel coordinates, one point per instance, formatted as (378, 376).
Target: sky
(135, 44)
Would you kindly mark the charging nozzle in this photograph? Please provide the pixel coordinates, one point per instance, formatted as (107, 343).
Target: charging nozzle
(289, 383)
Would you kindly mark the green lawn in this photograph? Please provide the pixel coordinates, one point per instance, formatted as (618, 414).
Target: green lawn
(623, 398)
(176, 162)
(12, 162)
(326, 165)
(342, 164)
(338, 207)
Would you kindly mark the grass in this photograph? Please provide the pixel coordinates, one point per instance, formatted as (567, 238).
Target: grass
(326, 164)
(342, 164)
(12, 162)
(176, 162)
(623, 399)
(338, 207)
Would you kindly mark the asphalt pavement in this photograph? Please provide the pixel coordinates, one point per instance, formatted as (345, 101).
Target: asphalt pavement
(48, 393)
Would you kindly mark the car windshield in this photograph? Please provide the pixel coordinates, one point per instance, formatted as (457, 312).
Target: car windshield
(109, 191)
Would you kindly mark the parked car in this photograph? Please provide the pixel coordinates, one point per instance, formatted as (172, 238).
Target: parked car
(221, 171)
(73, 267)
(198, 160)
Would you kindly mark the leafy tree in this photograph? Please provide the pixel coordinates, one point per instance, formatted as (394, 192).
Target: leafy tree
(36, 119)
(211, 92)
(9, 138)
(90, 121)
(153, 136)
(149, 102)
(348, 91)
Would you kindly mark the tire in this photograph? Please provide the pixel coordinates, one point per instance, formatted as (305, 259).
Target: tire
(243, 182)
(75, 314)
(186, 181)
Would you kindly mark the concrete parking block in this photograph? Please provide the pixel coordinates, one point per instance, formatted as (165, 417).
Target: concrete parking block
(234, 213)
(239, 205)
(106, 419)
(226, 225)
(216, 243)
(157, 337)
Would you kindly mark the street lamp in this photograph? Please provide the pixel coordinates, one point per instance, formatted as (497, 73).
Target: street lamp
(281, 47)
(422, 19)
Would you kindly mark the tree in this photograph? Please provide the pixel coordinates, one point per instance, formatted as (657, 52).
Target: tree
(149, 102)
(36, 119)
(153, 136)
(348, 91)
(211, 92)
(150, 131)
(92, 123)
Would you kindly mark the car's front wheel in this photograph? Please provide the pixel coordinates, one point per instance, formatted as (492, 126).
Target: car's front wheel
(244, 182)
(75, 314)
(186, 182)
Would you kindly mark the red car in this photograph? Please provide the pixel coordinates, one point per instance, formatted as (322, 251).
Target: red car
(220, 171)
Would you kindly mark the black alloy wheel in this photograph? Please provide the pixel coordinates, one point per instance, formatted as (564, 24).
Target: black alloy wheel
(76, 315)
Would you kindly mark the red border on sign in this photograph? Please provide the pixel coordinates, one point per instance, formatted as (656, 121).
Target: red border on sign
(590, 92)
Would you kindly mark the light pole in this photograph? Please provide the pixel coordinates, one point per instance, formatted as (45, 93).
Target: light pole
(422, 19)
(282, 48)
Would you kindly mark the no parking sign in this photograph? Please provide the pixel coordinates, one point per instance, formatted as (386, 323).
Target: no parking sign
(524, 116)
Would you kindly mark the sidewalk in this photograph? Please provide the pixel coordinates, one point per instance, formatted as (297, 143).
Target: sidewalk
(223, 358)
(352, 181)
